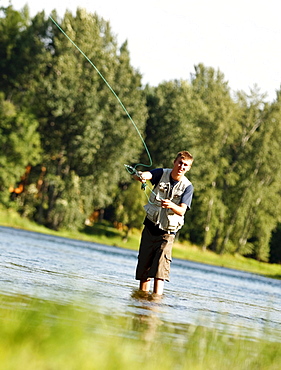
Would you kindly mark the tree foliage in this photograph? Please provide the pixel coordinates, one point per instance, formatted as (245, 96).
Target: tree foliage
(85, 133)
(20, 145)
(129, 206)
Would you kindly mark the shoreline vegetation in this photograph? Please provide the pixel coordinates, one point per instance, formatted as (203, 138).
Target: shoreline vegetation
(103, 233)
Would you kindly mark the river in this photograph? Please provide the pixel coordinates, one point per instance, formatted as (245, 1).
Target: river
(67, 271)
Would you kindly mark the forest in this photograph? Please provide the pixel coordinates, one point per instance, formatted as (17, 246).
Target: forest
(65, 138)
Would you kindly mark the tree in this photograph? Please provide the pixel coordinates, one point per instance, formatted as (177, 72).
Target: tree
(169, 125)
(255, 199)
(20, 145)
(129, 206)
(215, 131)
(84, 129)
(85, 134)
(24, 54)
(275, 245)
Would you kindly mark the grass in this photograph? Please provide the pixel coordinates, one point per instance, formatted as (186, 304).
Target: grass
(106, 234)
(36, 334)
(101, 233)
(236, 262)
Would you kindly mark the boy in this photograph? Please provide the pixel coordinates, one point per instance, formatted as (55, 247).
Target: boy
(168, 202)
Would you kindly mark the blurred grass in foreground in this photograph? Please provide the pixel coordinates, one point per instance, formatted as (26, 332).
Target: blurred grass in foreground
(106, 234)
(36, 334)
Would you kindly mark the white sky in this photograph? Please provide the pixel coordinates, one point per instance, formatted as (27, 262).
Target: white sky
(168, 37)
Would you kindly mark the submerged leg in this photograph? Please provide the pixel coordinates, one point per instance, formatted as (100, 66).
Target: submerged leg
(145, 285)
(158, 286)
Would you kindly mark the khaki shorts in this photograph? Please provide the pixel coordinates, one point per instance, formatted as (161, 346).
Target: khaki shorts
(155, 256)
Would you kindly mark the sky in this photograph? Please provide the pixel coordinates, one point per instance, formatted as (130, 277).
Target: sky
(167, 38)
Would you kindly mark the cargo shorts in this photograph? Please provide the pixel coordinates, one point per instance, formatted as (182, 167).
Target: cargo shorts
(155, 256)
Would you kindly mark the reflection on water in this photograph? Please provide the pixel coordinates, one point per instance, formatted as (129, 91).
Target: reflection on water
(65, 270)
(149, 319)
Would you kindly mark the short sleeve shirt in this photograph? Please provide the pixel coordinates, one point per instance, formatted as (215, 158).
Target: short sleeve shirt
(186, 197)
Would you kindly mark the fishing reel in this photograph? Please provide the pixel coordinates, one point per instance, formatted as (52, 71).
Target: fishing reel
(133, 171)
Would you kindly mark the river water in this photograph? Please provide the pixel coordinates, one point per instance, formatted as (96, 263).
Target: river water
(67, 270)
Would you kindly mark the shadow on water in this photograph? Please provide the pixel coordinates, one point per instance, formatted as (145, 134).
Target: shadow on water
(277, 277)
(146, 296)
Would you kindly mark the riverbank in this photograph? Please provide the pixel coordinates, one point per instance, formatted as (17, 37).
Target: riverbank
(105, 234)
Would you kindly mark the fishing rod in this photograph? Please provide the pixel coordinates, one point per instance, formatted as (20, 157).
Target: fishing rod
(132, 170)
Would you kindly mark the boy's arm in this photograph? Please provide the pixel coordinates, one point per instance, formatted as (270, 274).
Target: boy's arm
(183, 206)
(178, 209)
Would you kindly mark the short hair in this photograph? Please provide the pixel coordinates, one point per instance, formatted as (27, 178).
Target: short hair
(184, 154)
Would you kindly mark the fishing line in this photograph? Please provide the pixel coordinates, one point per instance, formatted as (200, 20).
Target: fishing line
(130, 169)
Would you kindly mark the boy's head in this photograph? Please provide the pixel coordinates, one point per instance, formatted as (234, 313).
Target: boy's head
(184, 154)
(182, 164)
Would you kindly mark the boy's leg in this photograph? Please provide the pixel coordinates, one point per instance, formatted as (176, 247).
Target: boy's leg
(145, 285)
(145, 257)
(158, 286)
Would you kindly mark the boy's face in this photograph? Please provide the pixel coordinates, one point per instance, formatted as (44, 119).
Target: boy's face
(181, 166)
